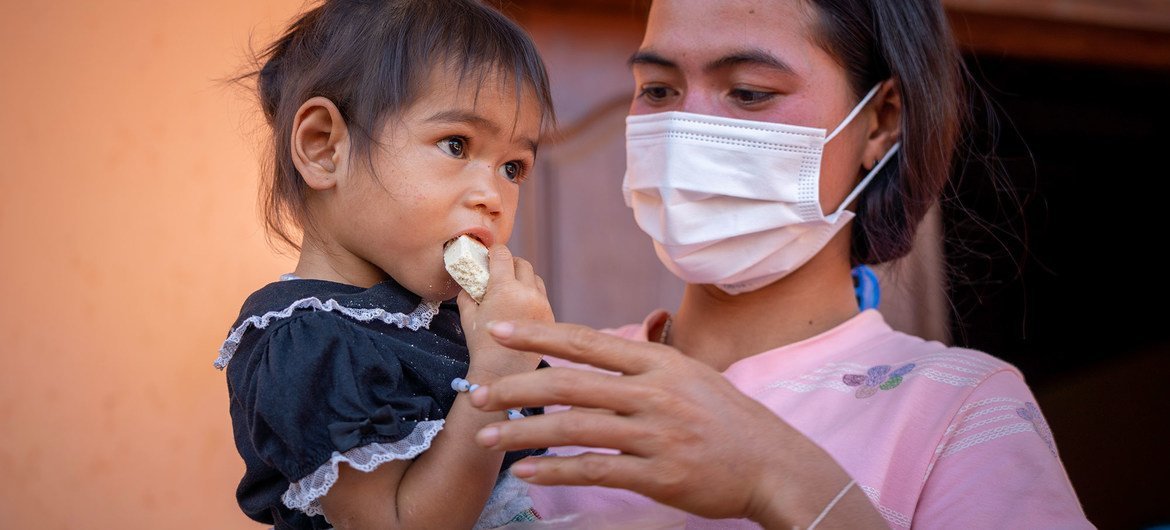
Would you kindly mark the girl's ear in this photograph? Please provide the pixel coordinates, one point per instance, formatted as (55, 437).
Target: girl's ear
(886, 127)
(320, 143)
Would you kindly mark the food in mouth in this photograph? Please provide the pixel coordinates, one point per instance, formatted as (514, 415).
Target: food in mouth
(466, 261)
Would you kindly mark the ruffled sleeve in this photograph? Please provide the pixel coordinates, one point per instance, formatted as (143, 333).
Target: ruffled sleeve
(322, 391)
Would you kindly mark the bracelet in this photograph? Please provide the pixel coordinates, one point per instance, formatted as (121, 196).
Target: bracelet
(832, 503)
(460, 384)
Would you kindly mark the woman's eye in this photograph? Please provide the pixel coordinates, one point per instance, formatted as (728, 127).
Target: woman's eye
(749, 97)
(656, 93)
(454, 146)
(514, 171)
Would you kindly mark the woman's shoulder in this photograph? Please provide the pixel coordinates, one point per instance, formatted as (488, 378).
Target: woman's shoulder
(877, 341)
(939, 362)
(863, 351)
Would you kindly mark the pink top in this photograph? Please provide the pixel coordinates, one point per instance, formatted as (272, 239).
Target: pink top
(937, 437)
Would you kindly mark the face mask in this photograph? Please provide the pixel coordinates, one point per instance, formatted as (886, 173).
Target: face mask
(734, 203)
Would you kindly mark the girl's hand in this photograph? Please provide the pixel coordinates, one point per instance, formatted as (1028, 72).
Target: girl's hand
(687, 437)
(514, 292)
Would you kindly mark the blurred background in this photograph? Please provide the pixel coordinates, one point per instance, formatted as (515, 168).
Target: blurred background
(130, 237)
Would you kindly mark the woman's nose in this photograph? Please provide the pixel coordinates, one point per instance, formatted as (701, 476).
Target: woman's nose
(700, 101)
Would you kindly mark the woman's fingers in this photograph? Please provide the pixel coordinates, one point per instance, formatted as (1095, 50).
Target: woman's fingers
(560, 386)
(582, 344)
(588, 469)
(569, 427)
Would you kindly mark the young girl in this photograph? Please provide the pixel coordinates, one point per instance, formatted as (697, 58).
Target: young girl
(397, 127)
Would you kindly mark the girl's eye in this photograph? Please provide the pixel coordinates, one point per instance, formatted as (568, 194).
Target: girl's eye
(656, 93)
(454, 146)
(514, 171)
(744, 96)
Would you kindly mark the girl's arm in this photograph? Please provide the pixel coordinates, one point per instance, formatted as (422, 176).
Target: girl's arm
(687, 437)
(449, 483)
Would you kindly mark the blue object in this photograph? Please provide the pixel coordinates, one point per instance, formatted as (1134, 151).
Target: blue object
(865, 286)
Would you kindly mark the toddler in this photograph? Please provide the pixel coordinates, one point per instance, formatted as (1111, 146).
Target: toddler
(398, 126)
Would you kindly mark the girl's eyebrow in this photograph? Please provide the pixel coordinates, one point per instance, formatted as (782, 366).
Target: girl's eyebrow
(463, 116)
(475, 120)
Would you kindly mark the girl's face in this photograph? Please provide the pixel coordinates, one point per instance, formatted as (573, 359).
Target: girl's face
(757, 61)
(451, 164)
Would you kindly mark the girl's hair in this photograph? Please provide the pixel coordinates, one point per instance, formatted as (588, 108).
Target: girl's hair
(372, 59)
(911, 42)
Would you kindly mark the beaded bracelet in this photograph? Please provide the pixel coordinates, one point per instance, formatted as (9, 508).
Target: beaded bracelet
(460, 384)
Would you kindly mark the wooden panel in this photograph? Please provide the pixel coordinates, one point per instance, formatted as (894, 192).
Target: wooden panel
(573, 225)
(1120, 32)
(1121, 14)
(1051, 39)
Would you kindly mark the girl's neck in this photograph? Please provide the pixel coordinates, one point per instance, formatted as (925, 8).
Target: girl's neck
(720, 329)
(320, 262)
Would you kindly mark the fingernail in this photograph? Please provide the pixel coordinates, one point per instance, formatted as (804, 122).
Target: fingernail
(501, 330)
(524, 469)
(479, 397)
(488, 437)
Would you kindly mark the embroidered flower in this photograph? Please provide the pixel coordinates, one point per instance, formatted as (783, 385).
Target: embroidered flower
(878, 377)
(1031, 413)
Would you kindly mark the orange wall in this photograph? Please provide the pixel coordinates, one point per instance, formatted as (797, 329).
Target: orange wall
(129, 238)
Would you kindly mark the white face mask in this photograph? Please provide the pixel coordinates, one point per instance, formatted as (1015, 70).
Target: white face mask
(734, 203)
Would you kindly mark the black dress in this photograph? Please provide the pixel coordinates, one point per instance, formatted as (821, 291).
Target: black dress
(321, 373)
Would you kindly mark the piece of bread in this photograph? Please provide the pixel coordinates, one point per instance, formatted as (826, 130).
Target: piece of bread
(466, 260)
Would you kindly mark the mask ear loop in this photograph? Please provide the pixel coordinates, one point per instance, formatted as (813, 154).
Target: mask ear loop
(854, 112)
(865, 181)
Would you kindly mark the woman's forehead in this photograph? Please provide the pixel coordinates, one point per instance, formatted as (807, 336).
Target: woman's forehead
(697, 32)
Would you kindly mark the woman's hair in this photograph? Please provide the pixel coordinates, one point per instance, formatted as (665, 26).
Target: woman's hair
(911, 42)
(372, 58)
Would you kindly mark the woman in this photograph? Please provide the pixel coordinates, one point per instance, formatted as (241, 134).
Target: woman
(759, 130)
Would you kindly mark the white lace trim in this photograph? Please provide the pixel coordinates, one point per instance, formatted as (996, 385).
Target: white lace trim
(419, 318)
(304, 494)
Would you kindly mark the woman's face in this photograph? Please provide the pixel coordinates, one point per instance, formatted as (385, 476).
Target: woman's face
(755, 60)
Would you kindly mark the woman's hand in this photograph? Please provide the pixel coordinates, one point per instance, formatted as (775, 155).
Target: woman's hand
(514, 292)
(686, 436)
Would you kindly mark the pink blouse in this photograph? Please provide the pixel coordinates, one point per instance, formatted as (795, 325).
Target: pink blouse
(937, 437)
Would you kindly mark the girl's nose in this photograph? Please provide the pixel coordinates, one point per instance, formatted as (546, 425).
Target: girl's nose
(484, 193)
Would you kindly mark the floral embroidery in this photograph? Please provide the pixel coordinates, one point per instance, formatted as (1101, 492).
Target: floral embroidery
(526, 515)
(1031, 413)
(878, 377)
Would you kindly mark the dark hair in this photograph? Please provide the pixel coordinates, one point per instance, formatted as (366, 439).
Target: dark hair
(911, 42)
(371, 59)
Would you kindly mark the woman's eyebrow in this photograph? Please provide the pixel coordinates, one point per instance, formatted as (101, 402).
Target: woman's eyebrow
(751, 57)
(649, 57)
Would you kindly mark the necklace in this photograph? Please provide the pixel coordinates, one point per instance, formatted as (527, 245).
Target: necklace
(665, 329)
